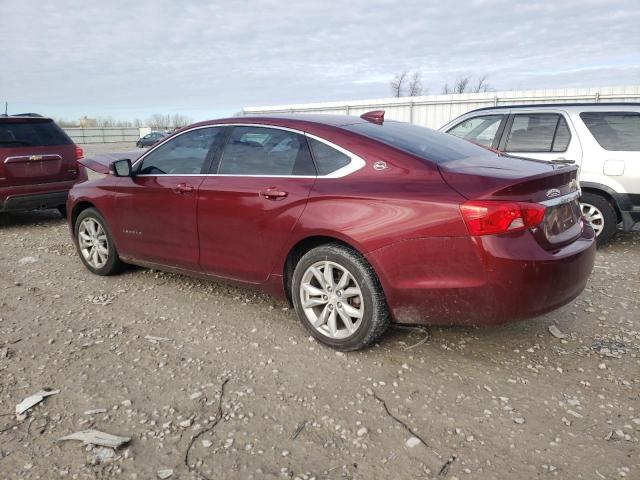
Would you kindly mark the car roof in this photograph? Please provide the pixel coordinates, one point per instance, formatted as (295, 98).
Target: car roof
(616, 106)
(24, 118)
(290, 120)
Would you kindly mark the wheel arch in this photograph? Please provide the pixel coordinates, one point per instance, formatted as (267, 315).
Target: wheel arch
(610, 195)
(78, 208)
(297, 251)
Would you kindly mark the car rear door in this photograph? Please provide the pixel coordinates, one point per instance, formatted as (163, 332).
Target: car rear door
(34, 151)
(248, 208)
(156, 208)
(547, 135)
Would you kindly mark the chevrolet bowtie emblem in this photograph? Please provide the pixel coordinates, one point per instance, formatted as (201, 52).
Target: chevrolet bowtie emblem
(35, 157)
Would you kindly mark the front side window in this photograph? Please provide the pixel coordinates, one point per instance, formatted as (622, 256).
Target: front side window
(538, 132)
(327, 158)
(266, 151)
(616, 131)
(182, 155)
(481, 130)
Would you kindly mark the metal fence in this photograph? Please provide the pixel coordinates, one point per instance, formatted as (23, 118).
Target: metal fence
(435, 110)
(106, 134)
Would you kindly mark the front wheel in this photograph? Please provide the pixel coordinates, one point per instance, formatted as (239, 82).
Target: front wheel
(599, 212)
(338, 297)
(95, 244)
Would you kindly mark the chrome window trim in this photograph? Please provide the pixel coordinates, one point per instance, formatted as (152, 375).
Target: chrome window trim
(564, 199)
(354, 165)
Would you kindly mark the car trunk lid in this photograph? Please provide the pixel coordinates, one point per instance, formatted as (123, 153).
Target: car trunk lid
(504, 178)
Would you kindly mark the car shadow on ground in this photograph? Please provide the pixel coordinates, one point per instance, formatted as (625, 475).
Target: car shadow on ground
(36, 217)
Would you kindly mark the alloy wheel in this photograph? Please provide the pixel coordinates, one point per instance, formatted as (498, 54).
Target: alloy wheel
(331, 299)
(593, 216)
(93, 242)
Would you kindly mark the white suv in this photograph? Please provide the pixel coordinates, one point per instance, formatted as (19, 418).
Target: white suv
(603, 139)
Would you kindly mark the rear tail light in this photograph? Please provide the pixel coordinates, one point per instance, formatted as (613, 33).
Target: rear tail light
(494, 217)
(79, 153)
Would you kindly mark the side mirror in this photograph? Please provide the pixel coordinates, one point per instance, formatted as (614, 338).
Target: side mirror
(122, 168)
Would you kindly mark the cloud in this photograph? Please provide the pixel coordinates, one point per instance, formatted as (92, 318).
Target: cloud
(134, 58)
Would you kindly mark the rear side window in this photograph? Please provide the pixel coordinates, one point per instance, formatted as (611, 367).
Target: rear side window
(423, 142)
(182, 155)
(614, 130)
(538, 132)
(327, 159)
(266, 151)
(32, 134)
(481, 130)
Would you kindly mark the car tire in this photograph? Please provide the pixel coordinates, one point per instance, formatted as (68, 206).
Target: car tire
(599, 212)
(92, 234)
(63, 210)
(349, 312)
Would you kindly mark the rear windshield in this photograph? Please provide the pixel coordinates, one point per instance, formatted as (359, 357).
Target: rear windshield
(618, 131)
(423, 142)
(31, 134)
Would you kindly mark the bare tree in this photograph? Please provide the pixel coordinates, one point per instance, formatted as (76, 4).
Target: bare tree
(415, 85)
(397, 84)
(159, 121)
(179, 121)
(463, 85)
(482, 85)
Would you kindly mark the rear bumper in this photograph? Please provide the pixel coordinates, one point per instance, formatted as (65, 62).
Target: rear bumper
(481, 281)
(32, 197)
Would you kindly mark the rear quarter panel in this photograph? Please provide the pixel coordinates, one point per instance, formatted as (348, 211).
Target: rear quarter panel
(371, 208)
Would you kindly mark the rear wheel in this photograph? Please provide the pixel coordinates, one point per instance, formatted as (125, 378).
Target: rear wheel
(95, 244)
(338, 297)
(599, 212)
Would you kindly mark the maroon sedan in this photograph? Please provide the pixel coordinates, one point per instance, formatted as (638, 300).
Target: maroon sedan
(358, 222)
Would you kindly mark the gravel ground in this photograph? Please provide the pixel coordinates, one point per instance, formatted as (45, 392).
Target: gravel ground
(212, 381)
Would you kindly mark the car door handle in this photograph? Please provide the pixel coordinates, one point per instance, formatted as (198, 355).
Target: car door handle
(183, 188)
(273, 194)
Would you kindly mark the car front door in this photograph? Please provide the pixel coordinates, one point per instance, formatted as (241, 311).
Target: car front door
(157, 206)
(484, 130)
(249, 207)
(546, 136)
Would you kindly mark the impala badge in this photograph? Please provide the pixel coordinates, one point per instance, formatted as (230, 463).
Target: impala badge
(554, 192)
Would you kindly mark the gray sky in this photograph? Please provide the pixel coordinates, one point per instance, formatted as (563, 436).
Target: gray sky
(206, 59)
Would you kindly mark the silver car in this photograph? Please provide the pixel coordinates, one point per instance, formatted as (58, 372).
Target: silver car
(603, 139)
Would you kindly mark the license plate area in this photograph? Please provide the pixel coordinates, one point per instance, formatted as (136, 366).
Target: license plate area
(562, 223)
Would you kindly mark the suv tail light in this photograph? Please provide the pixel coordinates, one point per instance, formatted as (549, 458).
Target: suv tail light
(79, 153)
(494, 217)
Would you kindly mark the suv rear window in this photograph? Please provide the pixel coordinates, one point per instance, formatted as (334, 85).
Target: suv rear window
(617, 131)
(423, 142)
(38, 133)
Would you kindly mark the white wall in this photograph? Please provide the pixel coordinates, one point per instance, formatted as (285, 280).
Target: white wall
(435, 110)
